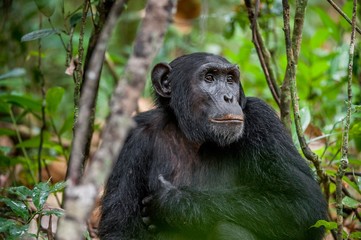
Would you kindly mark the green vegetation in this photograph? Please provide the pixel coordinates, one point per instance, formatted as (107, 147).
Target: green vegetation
(41, 77)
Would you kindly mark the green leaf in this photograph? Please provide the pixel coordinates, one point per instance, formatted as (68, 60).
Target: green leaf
(68, 124)
(229, 29)
(18, 207)
(4, 106)
(87, 235)
(7, 132)
(39, 34)
(46, 7)
(40, 193)
(56, 212)
(22, 101)
(305, 117)
(34, 142)
(18, 230)
(326, 224)
(4, 149)
(57, 187)
(21, 191)
(16, 72)
(355, 235)
(352, 183)
(53, 99)
(11, 161)
(6, 224)
(75, 19)
(350, 202)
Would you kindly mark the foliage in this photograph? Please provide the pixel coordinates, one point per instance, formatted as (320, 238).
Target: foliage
(41, 39)
(23, 205)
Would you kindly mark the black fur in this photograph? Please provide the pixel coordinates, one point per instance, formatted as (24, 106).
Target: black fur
(256, 187)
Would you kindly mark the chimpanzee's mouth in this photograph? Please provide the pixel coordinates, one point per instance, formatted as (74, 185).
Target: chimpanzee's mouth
(229, 118)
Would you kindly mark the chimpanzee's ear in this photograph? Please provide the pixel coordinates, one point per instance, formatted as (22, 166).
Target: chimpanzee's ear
(160, 79)
(242, 97)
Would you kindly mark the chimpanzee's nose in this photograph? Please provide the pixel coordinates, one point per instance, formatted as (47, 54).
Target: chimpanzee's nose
(228, 98)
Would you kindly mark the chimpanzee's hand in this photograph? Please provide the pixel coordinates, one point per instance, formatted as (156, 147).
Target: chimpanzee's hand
(152, 203)
(146, 214)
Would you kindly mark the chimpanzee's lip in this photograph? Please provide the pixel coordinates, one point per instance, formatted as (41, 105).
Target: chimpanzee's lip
(229, 118)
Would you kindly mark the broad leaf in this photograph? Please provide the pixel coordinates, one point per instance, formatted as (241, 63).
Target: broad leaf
(16, 72)
(18, 207)
(57, 187)
(41, 192)
(56, 212)
(39, 34)
(22, 101)
(22, 192)
(351, 203)
(326, 224)
(53, 99)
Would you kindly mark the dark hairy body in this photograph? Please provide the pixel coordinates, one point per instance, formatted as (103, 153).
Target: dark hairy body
(209, 163)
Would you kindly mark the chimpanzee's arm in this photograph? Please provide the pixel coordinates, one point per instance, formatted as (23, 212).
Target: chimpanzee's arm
(283, 214)
(121, 214)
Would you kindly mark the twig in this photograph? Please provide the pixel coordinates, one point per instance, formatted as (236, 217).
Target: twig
(105, 6)
(339, 10)
(296, 45)
(345, 136)
(263, 53)
(291, 75)
(353, 174)
(78, 73)
(18, 136)
(43, 104)
(88, 99)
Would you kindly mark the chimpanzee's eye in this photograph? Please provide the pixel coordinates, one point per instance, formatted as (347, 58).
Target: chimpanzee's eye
(209, 78)
(230, 79)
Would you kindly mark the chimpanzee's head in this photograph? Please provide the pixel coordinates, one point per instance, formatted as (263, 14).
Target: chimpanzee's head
(204, 92)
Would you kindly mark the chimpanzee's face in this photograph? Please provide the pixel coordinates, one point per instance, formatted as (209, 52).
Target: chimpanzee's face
(215, 96)
(205, 95)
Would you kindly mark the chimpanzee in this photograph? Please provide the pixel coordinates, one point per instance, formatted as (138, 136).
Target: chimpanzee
(209, 163)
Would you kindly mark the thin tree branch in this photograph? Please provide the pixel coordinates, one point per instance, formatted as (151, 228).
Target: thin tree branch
(296, 45)
(105, 7)
(81, 195)
(339, 10)
(345, 133)
(88, 96)
(83, 130)
(262, 52)
(78, 73)
(43, 103)
(291, 75)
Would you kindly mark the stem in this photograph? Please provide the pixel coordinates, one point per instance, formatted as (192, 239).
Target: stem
(43, 105)
(296, 45)
(78, 73)
(334, 5)
(291, 75)
(345, 133)
(18, 136)
(262, 52)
